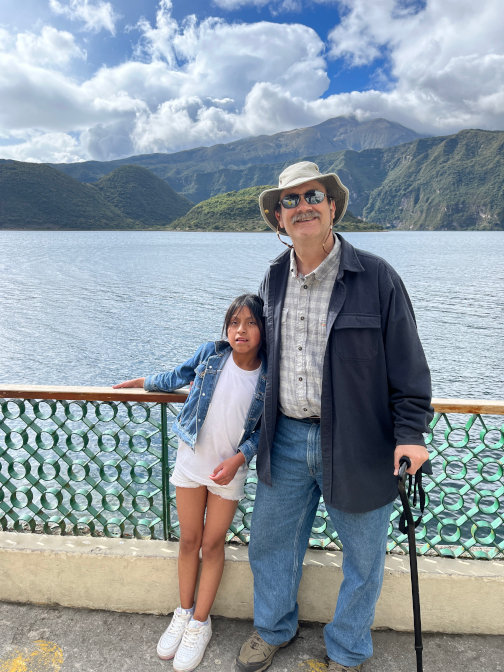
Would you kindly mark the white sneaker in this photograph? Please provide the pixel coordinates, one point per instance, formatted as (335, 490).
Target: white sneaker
(192, 647)
(172, 636)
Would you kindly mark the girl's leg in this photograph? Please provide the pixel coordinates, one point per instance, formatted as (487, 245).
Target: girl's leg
(191, 504)
(220, 513)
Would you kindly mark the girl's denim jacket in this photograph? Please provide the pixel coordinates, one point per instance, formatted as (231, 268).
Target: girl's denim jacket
(204, 368)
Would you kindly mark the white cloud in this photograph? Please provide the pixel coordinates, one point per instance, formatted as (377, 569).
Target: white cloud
(7, 41)
(45, 148)
(198, 83)
(50, 47)
(445, 59)
(95, 16)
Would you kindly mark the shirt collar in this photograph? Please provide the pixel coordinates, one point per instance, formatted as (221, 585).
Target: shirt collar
(325, 267)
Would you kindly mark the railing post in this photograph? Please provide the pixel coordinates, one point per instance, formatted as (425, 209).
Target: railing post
(165, 473)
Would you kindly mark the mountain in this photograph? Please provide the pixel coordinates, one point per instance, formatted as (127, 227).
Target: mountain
(179, 168)
(352, 223)
(36, 196)
(141, 196)
(233, 211)
(239, 211)
(448, 182)
(454, 182)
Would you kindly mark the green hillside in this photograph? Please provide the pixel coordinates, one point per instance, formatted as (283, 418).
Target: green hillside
(140, 195)
(444, 183)
(454, 184)
(36, 196)
(451, 182)
(332, 135)
(239, 211)
(234, 211)
(352, 223)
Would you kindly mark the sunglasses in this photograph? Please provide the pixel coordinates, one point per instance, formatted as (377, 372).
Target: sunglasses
(312, 197)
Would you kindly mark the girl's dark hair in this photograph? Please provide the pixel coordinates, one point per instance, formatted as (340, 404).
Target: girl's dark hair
(254, 303)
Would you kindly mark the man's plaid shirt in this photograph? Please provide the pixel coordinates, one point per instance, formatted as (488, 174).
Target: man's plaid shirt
(303, 336)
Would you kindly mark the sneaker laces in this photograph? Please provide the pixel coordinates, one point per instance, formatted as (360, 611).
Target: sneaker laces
(178, 623)
(190, 637)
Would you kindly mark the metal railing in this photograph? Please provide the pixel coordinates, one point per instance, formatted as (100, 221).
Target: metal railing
(77, 460)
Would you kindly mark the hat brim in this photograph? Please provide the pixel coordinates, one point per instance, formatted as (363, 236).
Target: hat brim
(269, 198)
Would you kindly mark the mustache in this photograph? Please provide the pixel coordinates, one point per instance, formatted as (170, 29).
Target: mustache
(302, 216)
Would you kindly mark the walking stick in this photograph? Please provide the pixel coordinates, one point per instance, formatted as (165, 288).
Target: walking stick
(407, 523)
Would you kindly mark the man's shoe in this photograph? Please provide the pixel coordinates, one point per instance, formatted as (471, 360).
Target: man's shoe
(192, 647)
(256, 655)
(336, 667)
(172, 636)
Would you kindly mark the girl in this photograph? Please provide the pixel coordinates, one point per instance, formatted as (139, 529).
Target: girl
(217, 439)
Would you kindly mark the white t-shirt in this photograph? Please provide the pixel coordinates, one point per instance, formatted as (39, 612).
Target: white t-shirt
(222, 430)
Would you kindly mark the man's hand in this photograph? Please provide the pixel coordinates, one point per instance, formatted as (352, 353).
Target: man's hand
(136, 382)
(417, 454)
(226, 471)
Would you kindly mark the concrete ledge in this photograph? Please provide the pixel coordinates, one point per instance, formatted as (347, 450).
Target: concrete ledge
(457, 596)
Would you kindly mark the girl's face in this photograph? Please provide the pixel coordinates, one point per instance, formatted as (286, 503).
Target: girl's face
(243, 332)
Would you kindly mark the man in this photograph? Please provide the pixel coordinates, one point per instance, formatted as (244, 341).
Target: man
(348, 394)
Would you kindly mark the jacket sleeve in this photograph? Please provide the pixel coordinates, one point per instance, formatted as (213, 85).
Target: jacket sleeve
(407, 370)
(249, 447)
(181, 375)
(263, 288)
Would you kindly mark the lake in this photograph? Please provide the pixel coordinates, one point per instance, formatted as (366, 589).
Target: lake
(95, 308)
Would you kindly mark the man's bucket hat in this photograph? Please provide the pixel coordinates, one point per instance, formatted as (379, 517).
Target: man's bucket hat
(294, 175)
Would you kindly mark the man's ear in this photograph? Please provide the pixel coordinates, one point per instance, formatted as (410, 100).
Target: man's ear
(278, 216)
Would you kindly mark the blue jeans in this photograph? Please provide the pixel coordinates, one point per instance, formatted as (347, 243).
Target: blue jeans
(281, 524)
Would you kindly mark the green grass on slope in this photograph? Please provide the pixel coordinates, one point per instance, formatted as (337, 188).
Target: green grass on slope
(445, 183)
(352, 223)
(239, 211)
(456, 183)
(142, 196)
(234, 211)
(35, 196)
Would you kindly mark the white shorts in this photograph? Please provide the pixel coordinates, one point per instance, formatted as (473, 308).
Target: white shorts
(180, 480)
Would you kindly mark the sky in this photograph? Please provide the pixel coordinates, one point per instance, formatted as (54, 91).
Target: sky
(101, 80)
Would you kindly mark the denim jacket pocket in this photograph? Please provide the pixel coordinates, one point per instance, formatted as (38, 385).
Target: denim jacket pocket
(357, 337)
(200, 370)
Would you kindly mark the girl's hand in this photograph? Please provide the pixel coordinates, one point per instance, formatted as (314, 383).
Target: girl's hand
(136, 382)
(226, 471)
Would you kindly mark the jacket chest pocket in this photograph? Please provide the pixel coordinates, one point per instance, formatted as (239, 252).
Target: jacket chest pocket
(357, 337)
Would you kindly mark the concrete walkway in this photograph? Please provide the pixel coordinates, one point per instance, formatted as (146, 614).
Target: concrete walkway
(49, 639)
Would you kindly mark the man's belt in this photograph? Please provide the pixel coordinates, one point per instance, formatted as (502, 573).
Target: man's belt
(313, 420)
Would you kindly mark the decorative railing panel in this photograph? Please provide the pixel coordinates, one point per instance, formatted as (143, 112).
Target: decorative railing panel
(97, 461)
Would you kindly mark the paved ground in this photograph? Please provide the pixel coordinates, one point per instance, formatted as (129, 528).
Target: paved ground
(49, 639)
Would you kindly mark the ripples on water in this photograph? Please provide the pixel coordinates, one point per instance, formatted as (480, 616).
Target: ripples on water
(94, 308)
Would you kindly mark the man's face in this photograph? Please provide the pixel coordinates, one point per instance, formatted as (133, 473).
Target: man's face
(306, 221)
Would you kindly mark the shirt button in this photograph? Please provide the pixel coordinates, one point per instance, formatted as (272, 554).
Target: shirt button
(300, 348)
(209, 367)
(305, 410)
(203, 394)
(300, 378)
(305, 286)
(302, 318)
